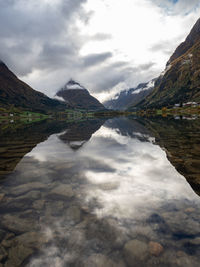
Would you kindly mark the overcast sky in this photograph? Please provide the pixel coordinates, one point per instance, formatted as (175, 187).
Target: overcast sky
(106, 45)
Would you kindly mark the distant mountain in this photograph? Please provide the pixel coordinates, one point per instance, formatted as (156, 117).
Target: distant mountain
(14, 92)
(130, 97)
(78, 97)
(180, 82)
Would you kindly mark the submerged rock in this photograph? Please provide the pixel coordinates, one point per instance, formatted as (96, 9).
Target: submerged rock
(2, 196)
(155, 248)
(62, 190)
(135, 251)
(31, 239)
(39, 204)
(24, 188)
(74, 214)
(100, 260)
(3, 253)
(18, 225)
(17, 255)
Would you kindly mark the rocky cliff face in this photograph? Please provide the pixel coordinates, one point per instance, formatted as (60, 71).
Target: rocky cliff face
(14, 92)
(78, 97)
(180, 82)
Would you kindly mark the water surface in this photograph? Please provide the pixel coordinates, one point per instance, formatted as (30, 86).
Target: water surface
(121, 192)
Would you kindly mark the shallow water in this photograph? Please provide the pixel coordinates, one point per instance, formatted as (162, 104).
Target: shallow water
(100, 193)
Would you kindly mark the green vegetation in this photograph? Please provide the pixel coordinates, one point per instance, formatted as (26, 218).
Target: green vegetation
(164, 112)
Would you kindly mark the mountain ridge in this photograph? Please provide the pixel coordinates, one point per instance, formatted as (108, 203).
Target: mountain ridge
(131, 96)
(180, 82)
(78, 96)
(14, 92)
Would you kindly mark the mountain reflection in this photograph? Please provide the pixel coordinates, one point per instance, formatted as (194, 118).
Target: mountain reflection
(181, 141)
(19, 139)
(80, 132)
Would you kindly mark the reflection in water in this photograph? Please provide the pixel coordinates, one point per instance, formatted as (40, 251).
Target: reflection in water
(181, 142)
(117, 201)
(79, 133)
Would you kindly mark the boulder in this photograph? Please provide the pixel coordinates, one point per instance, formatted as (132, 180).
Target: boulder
(155, 248)
(63, 191)
(135, 252)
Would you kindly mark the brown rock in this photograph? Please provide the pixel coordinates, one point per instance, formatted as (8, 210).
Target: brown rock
(155, 248)
(100, 260)
(189, 210)
(3, 253)
(2, 196)
(62, 190)
(135, 251)
(17, 255)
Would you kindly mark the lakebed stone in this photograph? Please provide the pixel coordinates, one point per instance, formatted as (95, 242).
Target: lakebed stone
(100, 260)
(3, 253)
(17, 255)
(135, 251)
(39, 204)
(74, 214)
(63, 190)
(18, 225)
(155, 248)
(32, 239)
(2, 196)
(24, 188)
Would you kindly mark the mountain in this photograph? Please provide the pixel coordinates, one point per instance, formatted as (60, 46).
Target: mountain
(77, 96)
(14, 92)
(130, 97)
(180, 82)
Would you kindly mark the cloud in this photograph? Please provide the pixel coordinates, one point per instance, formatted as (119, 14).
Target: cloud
(39, 32)
(94, 59)
(146, 66)
(101, 36)
(178, 7)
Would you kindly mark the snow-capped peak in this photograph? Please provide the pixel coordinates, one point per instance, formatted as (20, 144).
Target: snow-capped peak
(148, 86)
(72, 85)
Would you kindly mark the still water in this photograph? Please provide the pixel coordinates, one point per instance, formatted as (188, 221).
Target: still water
(118, 192)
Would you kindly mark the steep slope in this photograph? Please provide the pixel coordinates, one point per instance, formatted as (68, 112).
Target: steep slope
(131, 96)
(14, 92)
(77, 96)
(180, 81)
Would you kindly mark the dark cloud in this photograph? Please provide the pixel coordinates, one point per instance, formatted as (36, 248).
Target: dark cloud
(101, 37)
(36, 35)
(108, 77)
(94, 59)
(146, 66)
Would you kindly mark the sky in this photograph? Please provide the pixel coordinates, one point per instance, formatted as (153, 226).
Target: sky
(106, 45)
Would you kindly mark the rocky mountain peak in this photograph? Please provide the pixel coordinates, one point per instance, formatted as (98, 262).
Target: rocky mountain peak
(72, 85)
(192, 38)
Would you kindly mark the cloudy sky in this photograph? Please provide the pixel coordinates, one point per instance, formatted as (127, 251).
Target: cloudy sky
(106, 45)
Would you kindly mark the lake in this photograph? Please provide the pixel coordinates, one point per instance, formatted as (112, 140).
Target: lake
(100, 192)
